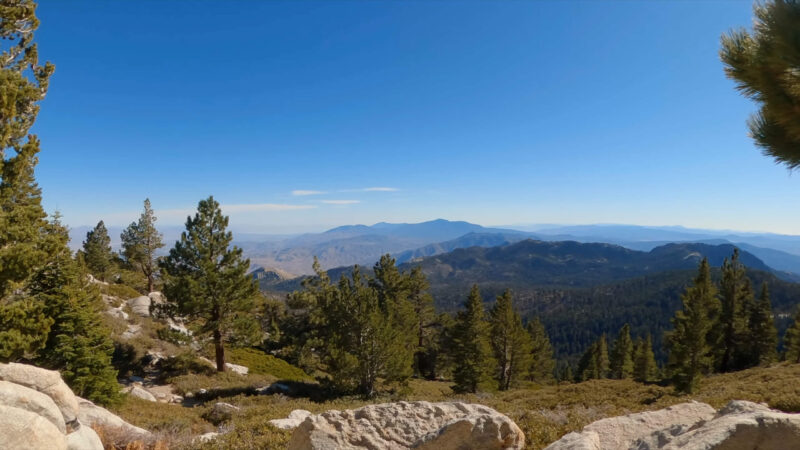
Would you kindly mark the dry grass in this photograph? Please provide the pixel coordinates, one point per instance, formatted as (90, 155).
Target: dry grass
(543, 413)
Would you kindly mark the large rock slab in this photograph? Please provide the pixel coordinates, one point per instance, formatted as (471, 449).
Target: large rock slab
(406, 425)
(47, 382)
(621, 432)
(741, 425)
(84, 438)
(295, 418)
(91, 415)
(140, 305)
(22, 397)
(21, 429)
(140, 392)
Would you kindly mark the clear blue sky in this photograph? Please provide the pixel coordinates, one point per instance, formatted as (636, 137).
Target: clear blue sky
(493, 112)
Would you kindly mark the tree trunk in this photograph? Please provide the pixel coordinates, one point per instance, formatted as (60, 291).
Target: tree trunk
(219, 351)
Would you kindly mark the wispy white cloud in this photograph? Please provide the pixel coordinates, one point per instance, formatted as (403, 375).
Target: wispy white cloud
(340, 202)
(307, 192)
(380, 189)
(253, 207)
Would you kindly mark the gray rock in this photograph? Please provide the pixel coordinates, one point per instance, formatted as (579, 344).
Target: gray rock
(140, 392)
(91, 415)
(295, 418)
(406, 425)
(235, 368)
(22, 397)
(140, 305)
(221, 412)
(132, 331)
(21, 429)
(84, 438)
(47, 382)
(207, 437)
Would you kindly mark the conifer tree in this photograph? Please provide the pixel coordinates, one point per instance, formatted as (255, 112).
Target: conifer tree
(764, 66)
(25, 242)
(622, 354)
(393, 289)
(97, 251)
(594, 364)
(425, 326)
(78, 344)
(542, 362)
(602, 361)
(690, 354)
(510, 342)
(736, 299)
(645, 367)
(471, 351)
(140, 242)
(762, 338)
(206, 280)
(791, 340)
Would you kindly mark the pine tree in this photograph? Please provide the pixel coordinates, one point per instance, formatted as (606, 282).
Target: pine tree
(764, 66)
(645, 368)
(736, 298)
(542, 362)
(206, 280)
(690, 353)
(97, 251)
(762, 337)
(510, 342)
(425, 326)
(594, 364)
(79, 344)
(140, 242)
(791, 340)
(393, 289)
(622, 354)
(25, 243)
(471, 351)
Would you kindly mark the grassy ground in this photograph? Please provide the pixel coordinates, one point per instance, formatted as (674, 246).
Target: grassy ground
(543, 413)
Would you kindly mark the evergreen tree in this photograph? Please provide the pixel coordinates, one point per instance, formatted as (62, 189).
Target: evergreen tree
(26, 245)
(79, 344)
(791, 340)
(425, 326)
(510, 342)
(471, 351)
(206, 280)
(594, 364)
(97, 251)
(140, 242)
(645, 368)
(763, 338)
(393, 289)
(542, 362)
(622, 354)
(764, 66)
(690, 353)
(736, 298)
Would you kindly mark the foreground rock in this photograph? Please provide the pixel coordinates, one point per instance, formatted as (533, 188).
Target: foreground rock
(39, 411)
(406, 425)
(295, 418)
(691, 426)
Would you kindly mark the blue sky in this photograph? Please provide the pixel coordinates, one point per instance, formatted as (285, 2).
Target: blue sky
(493, 112)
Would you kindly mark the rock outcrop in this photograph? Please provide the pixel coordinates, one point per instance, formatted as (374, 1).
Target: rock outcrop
(295, 418)
(140, 305)
(406, 425)
(39, 411)
(690, 426)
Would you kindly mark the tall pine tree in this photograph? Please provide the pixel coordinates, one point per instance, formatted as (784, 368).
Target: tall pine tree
(471, 351)
(622, 354)
(510, 342)
(206, 280)
(736, 299)
(762, 336)
(97, 251)
(26, 244)
(645, 368)
(690, 353)
(542, 362)
(140, 242)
